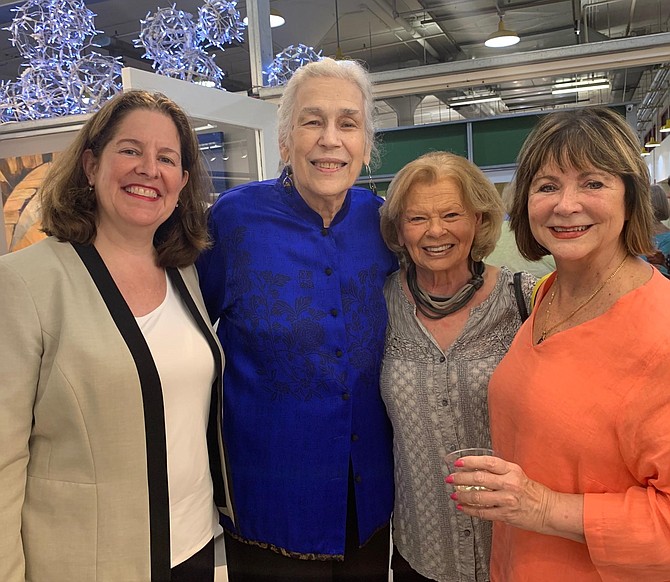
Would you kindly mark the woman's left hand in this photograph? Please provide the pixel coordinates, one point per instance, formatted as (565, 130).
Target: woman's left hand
(510, 496)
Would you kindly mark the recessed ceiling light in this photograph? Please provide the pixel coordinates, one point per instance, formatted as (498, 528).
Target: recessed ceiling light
(276, 19)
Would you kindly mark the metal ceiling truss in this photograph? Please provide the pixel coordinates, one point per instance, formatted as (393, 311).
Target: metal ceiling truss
(428, 79)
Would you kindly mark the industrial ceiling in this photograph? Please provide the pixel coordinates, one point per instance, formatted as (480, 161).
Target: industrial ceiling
(406, 43)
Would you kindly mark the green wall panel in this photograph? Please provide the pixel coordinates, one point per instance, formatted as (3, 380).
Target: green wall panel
(398, 147)
(497, 141)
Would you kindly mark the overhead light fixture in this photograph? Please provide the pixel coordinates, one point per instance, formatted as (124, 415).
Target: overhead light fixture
(474, 100)
(210, 146)
(580, 82)
(276, 19)
(666, 127)
(502, 37)
(204, 127)
(644, 153)
(582, 85)
(652, 143)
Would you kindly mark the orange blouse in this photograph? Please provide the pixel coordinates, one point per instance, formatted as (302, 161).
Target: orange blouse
(588, 411)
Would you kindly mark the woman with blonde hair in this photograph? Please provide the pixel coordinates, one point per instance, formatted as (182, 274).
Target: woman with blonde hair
(451, 320)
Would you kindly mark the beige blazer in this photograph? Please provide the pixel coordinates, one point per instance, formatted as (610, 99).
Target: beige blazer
(83, 478)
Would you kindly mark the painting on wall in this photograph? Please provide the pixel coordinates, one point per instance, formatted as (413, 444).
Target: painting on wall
(20, 178)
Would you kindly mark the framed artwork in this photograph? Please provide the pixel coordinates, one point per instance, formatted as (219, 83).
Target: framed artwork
(20, 178)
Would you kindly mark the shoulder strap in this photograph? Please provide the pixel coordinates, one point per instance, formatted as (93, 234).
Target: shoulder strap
(520, 300)
(537, 287)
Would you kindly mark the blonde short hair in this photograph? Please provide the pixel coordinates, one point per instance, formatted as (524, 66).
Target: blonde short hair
(479, 196)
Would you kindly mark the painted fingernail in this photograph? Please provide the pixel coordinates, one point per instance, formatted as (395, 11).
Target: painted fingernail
(459, 463)
(449, 479)
(459, 507)
(454, 496)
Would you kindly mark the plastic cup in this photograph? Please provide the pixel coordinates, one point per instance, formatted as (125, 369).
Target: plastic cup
(452, 457)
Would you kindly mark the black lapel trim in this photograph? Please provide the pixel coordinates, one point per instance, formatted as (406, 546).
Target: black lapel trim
(215, 445)
(154, 414)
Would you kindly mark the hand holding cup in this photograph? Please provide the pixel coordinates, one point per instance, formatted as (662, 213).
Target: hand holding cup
(455, 465)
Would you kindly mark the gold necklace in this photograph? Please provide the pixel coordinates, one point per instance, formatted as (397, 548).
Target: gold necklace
(547, 330)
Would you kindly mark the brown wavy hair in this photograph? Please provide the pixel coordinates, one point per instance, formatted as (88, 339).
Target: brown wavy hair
(69, 207)
(590, 137)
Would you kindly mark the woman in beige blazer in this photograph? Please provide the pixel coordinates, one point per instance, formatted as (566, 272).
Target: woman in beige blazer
(111, 461)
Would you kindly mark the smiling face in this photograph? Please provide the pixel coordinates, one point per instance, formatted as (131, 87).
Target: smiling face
(327, 145)
(437, 229)
(138, 176)
(577, 215)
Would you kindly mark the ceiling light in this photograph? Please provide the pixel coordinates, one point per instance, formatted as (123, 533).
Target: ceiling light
(666, 127)
(652, 143)
(580, 82)
(276, 19)
(502, 37)
(644, 153)
(577, 86)
(474, 100)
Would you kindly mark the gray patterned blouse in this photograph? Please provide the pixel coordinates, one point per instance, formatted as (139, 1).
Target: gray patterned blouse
(437, 403)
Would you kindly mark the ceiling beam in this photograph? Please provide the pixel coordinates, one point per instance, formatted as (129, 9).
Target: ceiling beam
(427, 79)
(622, 53)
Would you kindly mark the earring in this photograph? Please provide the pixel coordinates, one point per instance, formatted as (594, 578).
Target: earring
(371, 183)
(287, 182)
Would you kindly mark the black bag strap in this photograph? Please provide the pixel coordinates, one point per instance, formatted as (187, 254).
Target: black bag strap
(520, 300)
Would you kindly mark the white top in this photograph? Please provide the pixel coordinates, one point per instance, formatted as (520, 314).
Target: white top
(186, 368)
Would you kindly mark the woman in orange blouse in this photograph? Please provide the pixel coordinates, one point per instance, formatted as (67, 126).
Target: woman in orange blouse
(580, 405)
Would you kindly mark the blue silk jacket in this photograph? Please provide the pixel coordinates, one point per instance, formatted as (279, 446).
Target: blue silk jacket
(302, 319)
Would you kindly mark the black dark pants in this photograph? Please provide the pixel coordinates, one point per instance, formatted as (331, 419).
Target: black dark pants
(403, 572)
(248, 563)
(198, 568)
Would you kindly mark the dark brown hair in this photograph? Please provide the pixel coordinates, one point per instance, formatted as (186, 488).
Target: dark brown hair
(69, 206)
(590, 137)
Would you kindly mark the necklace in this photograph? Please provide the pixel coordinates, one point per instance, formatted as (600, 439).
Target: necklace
(547, 330)
(434, 307)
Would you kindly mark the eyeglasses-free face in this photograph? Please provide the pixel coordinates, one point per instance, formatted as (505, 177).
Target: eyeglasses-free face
(577, 215)
(437, 229)
(327, 144)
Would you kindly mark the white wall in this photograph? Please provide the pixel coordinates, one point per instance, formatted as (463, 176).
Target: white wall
(659, 161)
